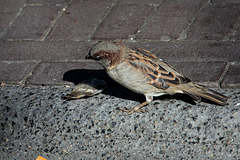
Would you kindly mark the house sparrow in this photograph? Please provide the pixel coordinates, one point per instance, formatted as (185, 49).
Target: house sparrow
(142, 72)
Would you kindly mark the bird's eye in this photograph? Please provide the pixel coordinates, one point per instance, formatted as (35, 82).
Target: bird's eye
(97, 58)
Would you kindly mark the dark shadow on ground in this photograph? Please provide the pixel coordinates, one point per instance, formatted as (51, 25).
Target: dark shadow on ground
(114, 89)
(78, 75)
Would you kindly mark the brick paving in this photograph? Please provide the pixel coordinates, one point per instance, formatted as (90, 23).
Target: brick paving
(43, 40)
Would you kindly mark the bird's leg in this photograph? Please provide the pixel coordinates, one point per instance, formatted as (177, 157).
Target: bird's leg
(137, 108)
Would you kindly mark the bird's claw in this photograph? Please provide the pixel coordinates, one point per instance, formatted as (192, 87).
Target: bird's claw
(131, 110)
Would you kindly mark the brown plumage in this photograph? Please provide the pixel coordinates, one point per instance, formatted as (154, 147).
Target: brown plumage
(142, 72)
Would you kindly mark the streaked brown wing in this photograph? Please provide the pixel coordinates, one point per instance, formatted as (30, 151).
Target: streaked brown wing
(158, 73)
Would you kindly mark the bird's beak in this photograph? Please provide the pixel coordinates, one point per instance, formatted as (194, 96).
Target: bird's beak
(88, 56)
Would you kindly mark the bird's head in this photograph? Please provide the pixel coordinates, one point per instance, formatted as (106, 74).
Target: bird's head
(106, 53)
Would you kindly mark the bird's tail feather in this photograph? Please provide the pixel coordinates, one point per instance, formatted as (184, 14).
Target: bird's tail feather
(201, 91)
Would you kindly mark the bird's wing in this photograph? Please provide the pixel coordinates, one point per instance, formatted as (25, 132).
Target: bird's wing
(158, 73)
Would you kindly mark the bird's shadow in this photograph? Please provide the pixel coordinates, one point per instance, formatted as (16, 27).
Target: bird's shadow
(114, 89)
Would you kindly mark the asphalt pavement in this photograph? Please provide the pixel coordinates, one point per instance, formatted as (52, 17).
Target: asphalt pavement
(36, 121)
